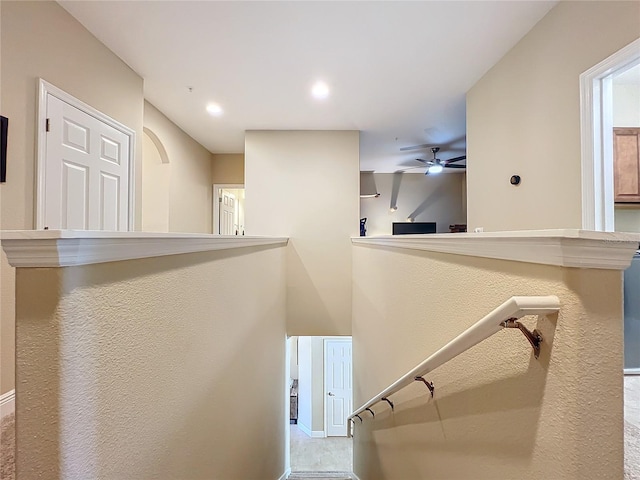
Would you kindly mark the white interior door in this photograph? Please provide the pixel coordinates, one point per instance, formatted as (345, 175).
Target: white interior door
(338, 386)
(228, 204)
(237, 190)
(84, 169)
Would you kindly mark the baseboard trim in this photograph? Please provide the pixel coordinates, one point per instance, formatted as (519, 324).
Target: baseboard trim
(7, 403)
(286, 473)
(311, 433)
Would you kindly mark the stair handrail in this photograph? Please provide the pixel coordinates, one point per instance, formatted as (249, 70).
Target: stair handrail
(504, 316)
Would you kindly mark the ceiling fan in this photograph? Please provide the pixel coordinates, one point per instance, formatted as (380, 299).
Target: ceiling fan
(436, 165)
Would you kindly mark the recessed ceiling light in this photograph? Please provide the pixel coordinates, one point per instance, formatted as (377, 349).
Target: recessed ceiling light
(320, 90)
(214, 109)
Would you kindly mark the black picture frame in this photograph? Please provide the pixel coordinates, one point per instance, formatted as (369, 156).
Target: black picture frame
(4, 128)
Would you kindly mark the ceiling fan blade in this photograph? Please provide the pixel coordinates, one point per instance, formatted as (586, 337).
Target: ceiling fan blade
(453, 165)
(456, 159)
(416, 147)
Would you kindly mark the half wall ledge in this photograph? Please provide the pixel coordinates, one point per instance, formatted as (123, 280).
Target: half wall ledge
(67, 248)
(563, 247)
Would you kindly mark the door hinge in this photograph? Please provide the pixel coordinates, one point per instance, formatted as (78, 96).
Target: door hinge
(47, 125)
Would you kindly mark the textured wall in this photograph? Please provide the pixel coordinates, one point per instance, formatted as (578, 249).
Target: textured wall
(164, 368)
(190, 188)
(523, 117)
(40, 39)
(427, 198)
(498, 413)
(304, 185)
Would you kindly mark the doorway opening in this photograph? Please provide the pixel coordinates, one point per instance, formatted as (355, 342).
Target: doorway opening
(228, 209)
(320, 384)
(610, 109)
(596, 123)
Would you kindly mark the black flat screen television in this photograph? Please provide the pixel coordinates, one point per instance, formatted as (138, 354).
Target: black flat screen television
(406, 228)
(4, 126)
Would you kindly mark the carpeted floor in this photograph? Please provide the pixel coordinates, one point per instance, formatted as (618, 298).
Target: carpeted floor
(332, 454)
(631, 452)
(8, 447)
(320, 476)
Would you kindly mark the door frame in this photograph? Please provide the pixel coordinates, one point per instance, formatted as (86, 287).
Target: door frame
(45, 88)
(216, 203)
(596, 120)
(325, 404)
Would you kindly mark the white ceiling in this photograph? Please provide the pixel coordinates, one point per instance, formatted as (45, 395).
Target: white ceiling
(398, 71)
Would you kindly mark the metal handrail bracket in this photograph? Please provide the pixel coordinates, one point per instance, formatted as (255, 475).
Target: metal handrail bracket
(504, 316)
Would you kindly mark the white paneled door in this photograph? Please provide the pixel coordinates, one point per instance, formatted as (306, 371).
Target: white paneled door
(228, 223)
(338, 386)
(86, 171)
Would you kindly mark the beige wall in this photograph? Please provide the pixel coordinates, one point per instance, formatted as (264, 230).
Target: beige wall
(312, 380)
(304, 185)
(40, 39)
(133, 369)
(156, 183)
(293, 358)
(497, 412)
(305, 384)
(190, 189)
(626, 105)
(426, 198)
(523, 117)
(626, 113)
(317, 379)
(228, 168)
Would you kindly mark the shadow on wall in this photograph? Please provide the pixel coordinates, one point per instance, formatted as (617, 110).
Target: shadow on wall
(395, 190)
(156, 183)
(192, 442)
(41, 318)
(306, 299)
(152, 266)
(435, 196)
(414, 196)
(474, 420)
(164, 157)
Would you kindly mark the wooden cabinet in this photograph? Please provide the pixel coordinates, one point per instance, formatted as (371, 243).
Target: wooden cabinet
(626, 165)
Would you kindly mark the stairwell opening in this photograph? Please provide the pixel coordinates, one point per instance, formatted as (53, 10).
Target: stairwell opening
(319, 378)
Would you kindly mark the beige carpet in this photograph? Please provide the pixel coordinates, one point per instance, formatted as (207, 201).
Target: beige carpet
(632, 427)
(332, 454)
(631, 452)
(8, 448)
(319, 476)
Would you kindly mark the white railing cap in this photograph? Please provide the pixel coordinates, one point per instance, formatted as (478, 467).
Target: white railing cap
(65, 248)
(563, 247)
